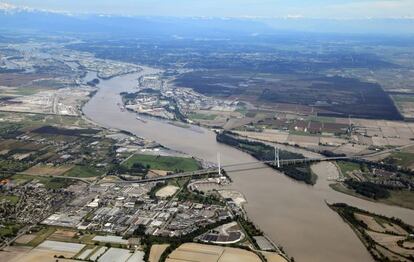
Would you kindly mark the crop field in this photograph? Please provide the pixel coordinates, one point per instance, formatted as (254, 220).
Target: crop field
(200, 116)
(41, 236)
(156, 173)
(273, 257)
(271, 136)
(156, 252)
(167, 191)
(347, 167)
(11, 92)
(63, 235)
(50, 130)
(200, 252)
(42, 170)
(33, 120)
(384, 237)
(167, 163)
(83, 171)
(20, 146)
(15, 79)
(47, 181)
(13, 252)
(25, 239)
(402, 158)
(405, 104)
(402, 197)
(331, 96)
(44, 255)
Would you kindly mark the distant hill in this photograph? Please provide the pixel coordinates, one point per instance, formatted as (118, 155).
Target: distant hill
(14, 18)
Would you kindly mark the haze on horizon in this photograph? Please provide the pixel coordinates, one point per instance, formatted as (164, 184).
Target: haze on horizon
(324, 9)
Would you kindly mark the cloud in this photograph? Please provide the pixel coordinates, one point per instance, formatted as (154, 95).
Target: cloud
(292, 9)
(9, 7)
(294, 16)
(374, 8)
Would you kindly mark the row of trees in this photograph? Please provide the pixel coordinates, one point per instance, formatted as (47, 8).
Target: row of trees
(258, 150)
(368, 189)
(263, 152)
(300, 172)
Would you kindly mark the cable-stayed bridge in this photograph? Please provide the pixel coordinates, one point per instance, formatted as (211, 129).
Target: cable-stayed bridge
(277, 162)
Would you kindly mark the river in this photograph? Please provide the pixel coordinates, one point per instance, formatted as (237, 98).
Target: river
(293, 214)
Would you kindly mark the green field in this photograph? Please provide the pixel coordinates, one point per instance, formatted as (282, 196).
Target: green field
(402, 198)
(47, 181)
(27, 91)
(323, 119)
(348, 166)
(403, 98)
(404, 159)
(9, 229)
(167, 163)
(400, 100)
(83, 171)
(202, 116)
(301, 133)
(31, 120)
(12, 199)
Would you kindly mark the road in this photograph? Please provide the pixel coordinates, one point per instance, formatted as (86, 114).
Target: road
(179, 175)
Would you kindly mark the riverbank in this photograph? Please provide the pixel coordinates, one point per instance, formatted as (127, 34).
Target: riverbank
(291, 213)
(397, 198)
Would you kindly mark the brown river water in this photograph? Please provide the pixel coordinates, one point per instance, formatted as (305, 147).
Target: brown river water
(293, 214)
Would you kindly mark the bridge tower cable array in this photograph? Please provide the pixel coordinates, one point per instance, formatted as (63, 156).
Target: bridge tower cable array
(277, 158)
(219, 163)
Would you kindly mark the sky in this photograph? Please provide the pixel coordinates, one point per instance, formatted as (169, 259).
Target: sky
(340, 9)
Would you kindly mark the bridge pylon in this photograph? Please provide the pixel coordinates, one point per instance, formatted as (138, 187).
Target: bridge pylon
(277, 159)
(219, 163)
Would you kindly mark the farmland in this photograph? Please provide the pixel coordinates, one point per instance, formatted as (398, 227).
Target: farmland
(331, 96)
(387, 239)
